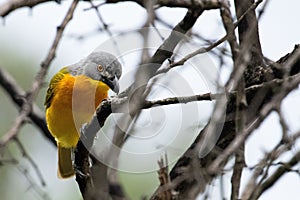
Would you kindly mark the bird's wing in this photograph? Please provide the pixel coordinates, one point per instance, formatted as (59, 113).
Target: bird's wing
(52, 85)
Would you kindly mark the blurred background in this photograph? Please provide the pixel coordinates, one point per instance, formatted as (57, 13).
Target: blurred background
(25, 38)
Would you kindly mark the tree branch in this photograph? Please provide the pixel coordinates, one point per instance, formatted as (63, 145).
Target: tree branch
(241, 102)
(88, 132)
(227, 136)
(249, 41)
(31, 161)
(262, 168)
(277, 175)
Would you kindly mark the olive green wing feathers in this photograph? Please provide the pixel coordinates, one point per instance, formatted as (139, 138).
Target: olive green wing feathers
(52, 85)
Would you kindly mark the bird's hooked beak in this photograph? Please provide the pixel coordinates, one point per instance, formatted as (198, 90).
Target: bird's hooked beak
(112, 83)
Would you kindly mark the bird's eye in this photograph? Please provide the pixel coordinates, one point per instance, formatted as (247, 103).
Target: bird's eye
(100, 68)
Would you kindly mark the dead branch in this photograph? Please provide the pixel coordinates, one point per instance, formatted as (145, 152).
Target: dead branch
(249, 41)
(164, 179)
(273, 178)
(31, 161)
(241, 102)
(262, 168)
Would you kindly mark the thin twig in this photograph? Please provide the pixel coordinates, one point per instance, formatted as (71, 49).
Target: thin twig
(164, 179)
(31, 161)
(106, 27)
(176, 100)
(283, 123)
(273, 178)
(32, 183)
(262, 168)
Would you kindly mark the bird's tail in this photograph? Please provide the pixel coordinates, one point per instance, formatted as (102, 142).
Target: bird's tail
(65, 167)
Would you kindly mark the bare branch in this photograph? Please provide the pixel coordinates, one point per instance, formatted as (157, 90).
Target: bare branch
(190, 55)
(28, 157)
(249, 40)
(105, 25)
(283, 123)
(241, 102)
(262, 168)
(290, 62)
(175, 100)
(165, 193)
(277, 174)
(32, 183)
(59, 34)
(82, 164)
(237, 172)
(213, 163)
(227, 136)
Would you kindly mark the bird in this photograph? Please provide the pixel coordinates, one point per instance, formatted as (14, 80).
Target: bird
(72, 97)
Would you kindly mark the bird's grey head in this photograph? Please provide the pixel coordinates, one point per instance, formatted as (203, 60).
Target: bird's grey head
(102, 66)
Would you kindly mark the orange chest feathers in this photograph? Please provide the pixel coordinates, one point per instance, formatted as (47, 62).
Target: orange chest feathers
(74, 102)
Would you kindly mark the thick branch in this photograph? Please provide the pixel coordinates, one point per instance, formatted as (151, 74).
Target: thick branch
(249, 41)
(165, 50)
(82, 164)
(286, 64)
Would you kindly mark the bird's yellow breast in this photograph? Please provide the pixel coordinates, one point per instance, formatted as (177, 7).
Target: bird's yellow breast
(74, 101)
